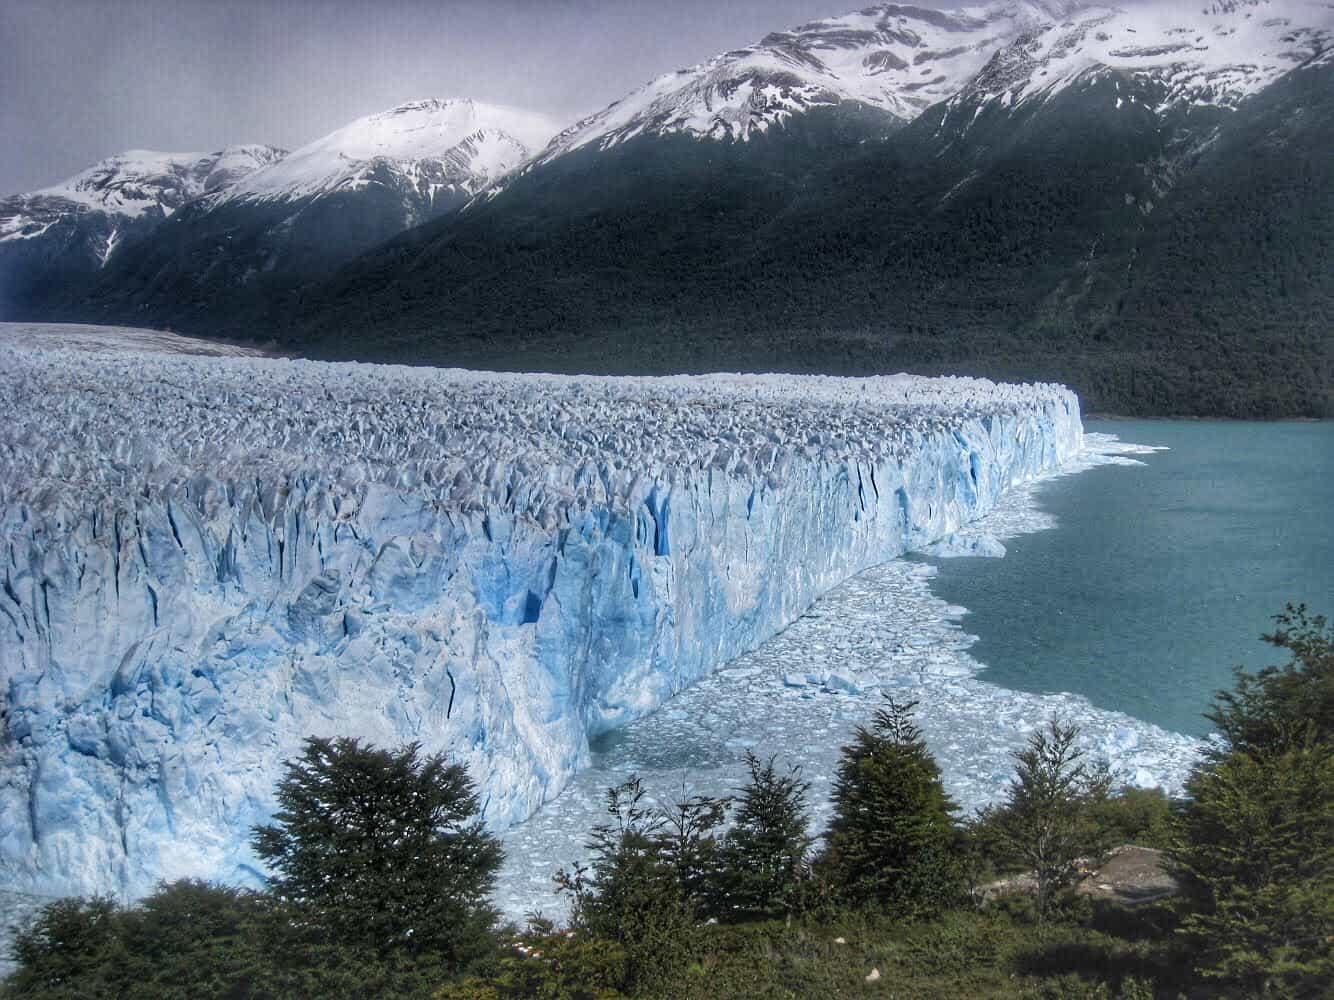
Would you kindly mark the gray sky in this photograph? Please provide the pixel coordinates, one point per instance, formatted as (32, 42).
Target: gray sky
(82, 79)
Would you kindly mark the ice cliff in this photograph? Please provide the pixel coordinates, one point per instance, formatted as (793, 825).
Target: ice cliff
(207, 559)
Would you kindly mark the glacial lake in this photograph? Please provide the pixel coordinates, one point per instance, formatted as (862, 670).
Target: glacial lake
(1158, 579)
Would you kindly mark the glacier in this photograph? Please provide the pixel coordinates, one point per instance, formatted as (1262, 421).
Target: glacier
(799, 697)
(207, 559)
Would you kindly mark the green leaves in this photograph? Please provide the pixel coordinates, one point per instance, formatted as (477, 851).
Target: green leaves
(1281, 706)
(382, 847)
(764, 854)
(1255, 842)
(1048, 820)
(893, 841)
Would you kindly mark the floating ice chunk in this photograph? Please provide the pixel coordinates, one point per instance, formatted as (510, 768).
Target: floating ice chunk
(959, 545)
(840, 681)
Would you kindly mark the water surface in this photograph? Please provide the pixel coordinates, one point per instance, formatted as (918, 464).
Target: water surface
(1159, 579)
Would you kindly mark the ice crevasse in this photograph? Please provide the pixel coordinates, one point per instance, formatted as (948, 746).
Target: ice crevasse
(206, 560)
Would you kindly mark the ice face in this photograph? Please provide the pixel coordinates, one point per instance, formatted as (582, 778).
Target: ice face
(801, 695)
(208, 559)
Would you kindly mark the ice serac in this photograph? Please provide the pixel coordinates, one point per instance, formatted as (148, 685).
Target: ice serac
(207, 559)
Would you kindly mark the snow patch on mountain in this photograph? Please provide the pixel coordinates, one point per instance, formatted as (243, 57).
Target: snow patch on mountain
(1202, 55)
(900, 59)
(132, 184)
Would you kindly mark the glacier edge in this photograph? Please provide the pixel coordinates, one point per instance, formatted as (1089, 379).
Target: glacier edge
(215, 558)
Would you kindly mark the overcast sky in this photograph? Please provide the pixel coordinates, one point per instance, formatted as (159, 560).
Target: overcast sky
(82, 79)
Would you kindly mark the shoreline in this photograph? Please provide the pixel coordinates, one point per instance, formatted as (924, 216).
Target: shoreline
(1195, 418)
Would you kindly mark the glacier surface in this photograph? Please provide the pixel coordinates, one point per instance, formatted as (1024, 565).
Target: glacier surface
(207, 559)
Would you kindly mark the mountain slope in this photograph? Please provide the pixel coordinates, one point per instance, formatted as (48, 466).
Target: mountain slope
(56, 240)
(1033, 225)
(321, 205)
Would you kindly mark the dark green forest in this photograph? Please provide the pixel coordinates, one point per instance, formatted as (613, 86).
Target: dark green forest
(1160, 265)
(381, 873)
(1161, 262)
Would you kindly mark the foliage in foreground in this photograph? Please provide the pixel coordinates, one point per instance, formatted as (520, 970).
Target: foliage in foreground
(1253, 847)
(1256, 839)
(893, 841)
(383, 847)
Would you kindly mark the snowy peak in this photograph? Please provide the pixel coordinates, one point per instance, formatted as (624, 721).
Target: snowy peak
(137, 180)
(461, 142)
(1217, 55)
(132, 185)
(900, 59)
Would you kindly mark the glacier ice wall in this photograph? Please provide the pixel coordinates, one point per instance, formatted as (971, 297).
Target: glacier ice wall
(205, 560)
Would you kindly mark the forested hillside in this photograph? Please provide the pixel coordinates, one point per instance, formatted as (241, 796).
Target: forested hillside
(1160, 263)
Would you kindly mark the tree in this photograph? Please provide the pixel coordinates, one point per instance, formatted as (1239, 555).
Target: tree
(764, 853)
(73, 948)
(382, 848)
(631, 893)
(687, 842)
(893, 841)
(1047, 819)
(1281, 706)
(187, 938)
(1255, 840)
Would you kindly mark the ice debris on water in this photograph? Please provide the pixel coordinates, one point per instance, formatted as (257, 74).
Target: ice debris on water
(206, 560)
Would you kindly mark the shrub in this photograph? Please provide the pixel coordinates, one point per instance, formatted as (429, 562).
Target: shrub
(1255, 853)
(764, 853)
(631, 893)
(1048, 821)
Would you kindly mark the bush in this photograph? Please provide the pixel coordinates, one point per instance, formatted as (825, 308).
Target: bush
(1281, 706)
(1256, 838)
(187, 939)
(383, 850)
(1048, 822)
(631, 893)
(1143, 817)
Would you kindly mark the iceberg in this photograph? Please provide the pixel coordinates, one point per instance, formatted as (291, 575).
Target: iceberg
(207, 559)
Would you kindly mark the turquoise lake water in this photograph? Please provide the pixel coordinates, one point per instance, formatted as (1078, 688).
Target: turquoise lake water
(1159, 579)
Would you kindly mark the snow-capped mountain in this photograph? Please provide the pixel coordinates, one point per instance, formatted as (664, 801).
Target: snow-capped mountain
(54, 242)
(900, 59)
(127, 188)
(1216, 55)
(1093, 179)
(904, 59)
(251, 216)
(432, 150)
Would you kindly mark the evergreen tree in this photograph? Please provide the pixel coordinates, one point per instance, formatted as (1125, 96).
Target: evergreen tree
(383, 849)
(764, 853)
(893, 841)
(631, 893)
(1048, 819)
(1281, 706)
(687, 842)
(1255, 848)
